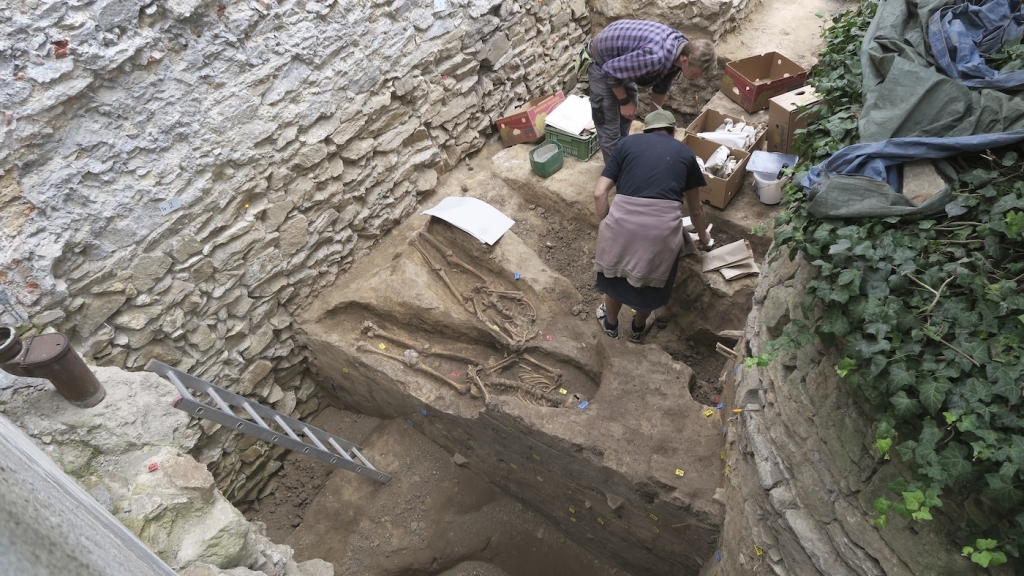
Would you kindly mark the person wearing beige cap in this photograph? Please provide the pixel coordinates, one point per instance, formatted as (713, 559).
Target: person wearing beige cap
(641, 235)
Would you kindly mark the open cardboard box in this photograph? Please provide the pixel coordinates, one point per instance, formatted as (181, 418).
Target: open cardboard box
(751, 82)
(526, 123)
(719, 191)
(710, 119)
(785, 117)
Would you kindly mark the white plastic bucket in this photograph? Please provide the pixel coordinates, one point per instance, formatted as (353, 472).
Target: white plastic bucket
(769, 190)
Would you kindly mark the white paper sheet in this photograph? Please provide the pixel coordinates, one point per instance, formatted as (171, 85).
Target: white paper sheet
(483, 221)
(572, 116)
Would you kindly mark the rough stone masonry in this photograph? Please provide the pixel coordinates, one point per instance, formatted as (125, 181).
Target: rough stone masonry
(178, 177)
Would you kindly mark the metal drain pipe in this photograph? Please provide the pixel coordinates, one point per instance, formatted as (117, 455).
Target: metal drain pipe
(50, 356)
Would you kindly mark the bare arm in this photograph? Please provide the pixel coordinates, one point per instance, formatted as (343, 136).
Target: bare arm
(697, 216)
(604, 184)
(658, 99)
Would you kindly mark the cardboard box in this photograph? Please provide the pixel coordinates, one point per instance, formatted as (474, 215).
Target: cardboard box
(784, 118)
(751, 82)
(718, 192)
(526, 123)
(710, 119)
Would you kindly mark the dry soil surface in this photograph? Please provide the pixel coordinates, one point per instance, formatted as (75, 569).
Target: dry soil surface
(434, 517)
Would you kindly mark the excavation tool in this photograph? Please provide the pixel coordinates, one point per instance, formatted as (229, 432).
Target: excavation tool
(325, 447)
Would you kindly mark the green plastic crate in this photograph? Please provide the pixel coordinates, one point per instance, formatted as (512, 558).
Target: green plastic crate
(549, 166)
(577, 147)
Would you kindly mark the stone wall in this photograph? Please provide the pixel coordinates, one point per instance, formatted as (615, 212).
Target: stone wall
(178, 177)
(695, 18)
(803, 472)
(130, 453)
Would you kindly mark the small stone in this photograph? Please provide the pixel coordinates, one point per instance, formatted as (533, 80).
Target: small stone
(540, 533)
(533, 206)
(459, 459)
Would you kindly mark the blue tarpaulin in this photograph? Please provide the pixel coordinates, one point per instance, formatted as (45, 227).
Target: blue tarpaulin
(876, 186)
(959, 36)
(922, 103)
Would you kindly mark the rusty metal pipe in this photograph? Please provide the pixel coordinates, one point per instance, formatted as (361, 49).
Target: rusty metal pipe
(50, 356)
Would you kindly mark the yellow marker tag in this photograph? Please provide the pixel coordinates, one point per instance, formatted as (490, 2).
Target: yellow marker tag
(653, 517)
(563, 391)
(573, 519)
(737, 410)
(727, 470)
(345, 370)
(512, 465)
(495, 326)
(572, 510)
(722, 454)
(757, 550)
(709, 413)
(537, 458)
(656, 531)
(679, 472)
(510, 429)
(600, 521)
(382, 346)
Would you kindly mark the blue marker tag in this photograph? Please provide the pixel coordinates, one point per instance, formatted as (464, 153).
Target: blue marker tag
(720, 404)
(719, 554)
(725, 430)
(517, 276)
(409, 422)
(423, 411)
(736, 369)
(583, 405)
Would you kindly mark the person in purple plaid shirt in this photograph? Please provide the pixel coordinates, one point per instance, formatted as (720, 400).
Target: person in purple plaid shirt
(629, 53)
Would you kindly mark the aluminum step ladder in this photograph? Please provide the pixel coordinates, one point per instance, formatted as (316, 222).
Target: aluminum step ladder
(346, 455)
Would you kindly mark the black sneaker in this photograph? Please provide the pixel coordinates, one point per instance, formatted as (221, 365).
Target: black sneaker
(638, 337)
(602, 314)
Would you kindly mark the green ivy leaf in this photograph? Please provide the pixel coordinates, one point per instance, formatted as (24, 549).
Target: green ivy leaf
(1001, 489)
(882, 506)
(985, 544)
(981, 558)
(849, 276)
(901, 510)
(1004, 378)
(903, 406)
(840, 247)
(921, 515)
(906, 450)
(954, 462)
(913, 500)
(883, 445)
(932, 392)
(900, 377)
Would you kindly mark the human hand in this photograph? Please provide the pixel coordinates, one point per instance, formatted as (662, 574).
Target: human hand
(628, 111)
(705, 240)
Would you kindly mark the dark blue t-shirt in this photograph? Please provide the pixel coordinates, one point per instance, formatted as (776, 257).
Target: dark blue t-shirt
(653, 165)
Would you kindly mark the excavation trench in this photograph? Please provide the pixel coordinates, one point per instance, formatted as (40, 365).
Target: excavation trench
(600, 437)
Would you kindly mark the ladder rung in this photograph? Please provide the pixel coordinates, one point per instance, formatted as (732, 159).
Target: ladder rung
(287, 429)
(362, 459)
(254, 415)
(339, 450)
(312, 437)
(223, 411)
(220, 402)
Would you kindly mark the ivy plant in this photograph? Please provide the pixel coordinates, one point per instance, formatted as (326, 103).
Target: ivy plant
(928, 316)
